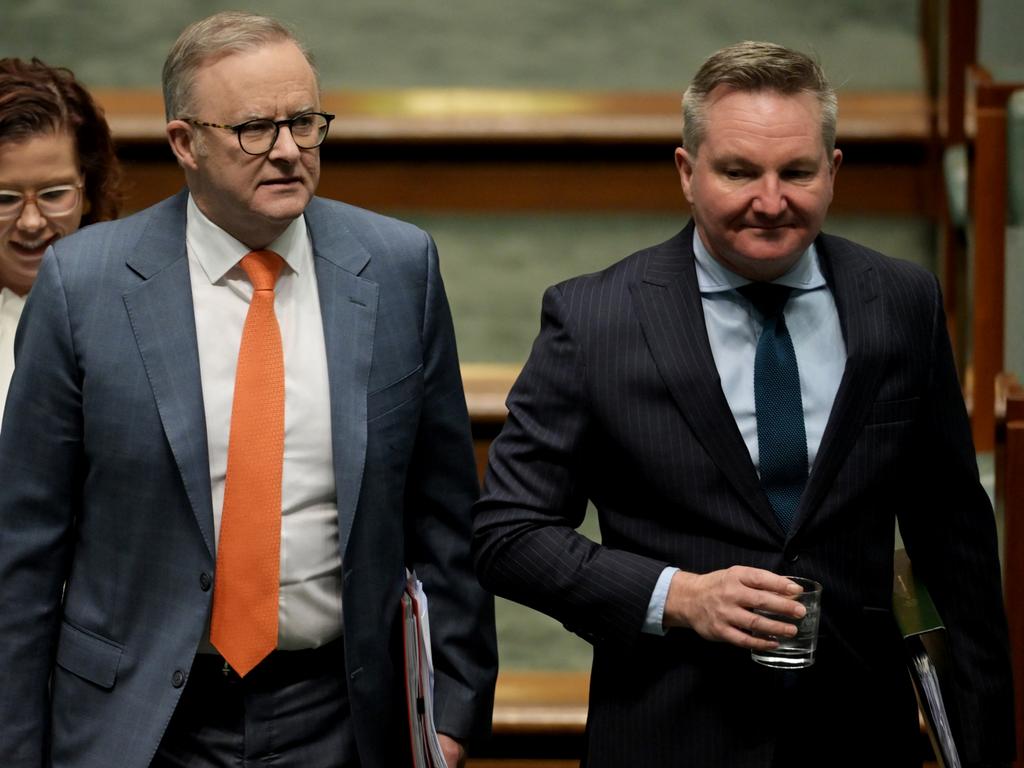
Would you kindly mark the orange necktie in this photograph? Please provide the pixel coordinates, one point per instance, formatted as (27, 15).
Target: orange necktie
(244, 623)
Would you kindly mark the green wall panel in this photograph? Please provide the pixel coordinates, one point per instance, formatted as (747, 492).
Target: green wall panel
(615, 44)
(496, 267)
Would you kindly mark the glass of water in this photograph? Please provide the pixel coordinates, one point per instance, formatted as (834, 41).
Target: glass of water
(797, 651)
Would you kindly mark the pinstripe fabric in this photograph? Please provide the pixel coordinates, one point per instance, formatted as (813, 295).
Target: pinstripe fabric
(620, 403)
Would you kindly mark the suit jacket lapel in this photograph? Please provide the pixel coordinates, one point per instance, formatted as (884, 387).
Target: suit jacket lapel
(162, 319)
(348, 305)
(668, 305)
(862, 316)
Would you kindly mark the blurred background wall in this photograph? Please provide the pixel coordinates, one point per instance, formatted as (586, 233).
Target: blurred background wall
(614, 44)
(497, 265)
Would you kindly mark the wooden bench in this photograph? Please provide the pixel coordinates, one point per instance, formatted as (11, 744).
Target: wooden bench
(487, 385)
(516, 150)
(539, 722)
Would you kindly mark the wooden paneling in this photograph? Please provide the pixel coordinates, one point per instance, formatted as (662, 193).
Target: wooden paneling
(539, 721)
(472, 151)
(949, 33)
(585, 185)
(961, 42)
(486, 386)
(1011, 475)
(467, 116)
(541, 702)
(988, 178)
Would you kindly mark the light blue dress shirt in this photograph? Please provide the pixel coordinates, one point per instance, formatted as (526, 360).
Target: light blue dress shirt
(734, 325)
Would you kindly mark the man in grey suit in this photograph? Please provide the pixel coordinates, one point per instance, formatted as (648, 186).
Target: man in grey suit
(121, 461)
(748, 400)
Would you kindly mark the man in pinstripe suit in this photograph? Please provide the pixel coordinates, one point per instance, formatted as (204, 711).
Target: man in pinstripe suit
(639, 396)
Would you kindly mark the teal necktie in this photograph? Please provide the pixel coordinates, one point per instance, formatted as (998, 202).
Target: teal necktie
(781, 438)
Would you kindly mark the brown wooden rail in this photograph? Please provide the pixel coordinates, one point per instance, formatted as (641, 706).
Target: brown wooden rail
(490, 150)
(1010, 496)
(986, 127)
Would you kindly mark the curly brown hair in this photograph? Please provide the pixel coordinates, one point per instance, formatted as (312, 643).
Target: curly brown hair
(36, 98)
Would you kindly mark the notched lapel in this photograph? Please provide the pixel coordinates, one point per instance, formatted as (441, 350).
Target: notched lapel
(348, 306)
(862, 316)
(668, 305)
(162, 319)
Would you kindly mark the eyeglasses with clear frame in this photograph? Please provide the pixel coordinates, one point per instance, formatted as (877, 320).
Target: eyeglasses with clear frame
(58, 200)
(257, 137)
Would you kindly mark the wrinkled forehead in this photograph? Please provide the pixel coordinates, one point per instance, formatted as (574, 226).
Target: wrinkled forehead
(269, 73)
(764, 116)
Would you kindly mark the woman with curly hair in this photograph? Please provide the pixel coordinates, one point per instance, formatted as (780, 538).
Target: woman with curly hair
(58, 171)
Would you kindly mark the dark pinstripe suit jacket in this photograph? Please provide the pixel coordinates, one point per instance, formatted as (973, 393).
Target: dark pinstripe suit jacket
(620, 404)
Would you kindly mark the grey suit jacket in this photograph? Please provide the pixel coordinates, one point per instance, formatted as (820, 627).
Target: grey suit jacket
(106, 527)
(620, 403)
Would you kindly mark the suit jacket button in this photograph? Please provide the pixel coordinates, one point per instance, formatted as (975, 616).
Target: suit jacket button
(793, 557)
(205, 582)
(178, 678)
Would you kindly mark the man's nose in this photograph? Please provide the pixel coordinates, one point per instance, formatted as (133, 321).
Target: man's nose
(285, 149)
(770, 198)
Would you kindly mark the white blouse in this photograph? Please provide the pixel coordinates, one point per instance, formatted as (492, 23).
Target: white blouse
(11, 305)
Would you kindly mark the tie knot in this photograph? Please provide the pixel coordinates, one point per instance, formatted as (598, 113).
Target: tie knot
(263, 268)
(769, 298)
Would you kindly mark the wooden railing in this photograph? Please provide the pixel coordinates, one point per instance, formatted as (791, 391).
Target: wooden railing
(986, 128)
(538, 715)
(1010, 498)
(478, 150)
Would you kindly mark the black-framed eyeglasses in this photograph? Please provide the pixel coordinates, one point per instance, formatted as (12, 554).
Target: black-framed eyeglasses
(257, 137)
(58, 200)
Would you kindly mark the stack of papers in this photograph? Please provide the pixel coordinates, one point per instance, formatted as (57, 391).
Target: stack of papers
(419, 676)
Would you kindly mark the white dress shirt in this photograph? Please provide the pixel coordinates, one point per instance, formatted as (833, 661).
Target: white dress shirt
(11, 305)
(310, 596)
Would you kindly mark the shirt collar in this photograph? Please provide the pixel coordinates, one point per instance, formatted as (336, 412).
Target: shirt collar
(218, 252)
(9, 300)
(715, 277)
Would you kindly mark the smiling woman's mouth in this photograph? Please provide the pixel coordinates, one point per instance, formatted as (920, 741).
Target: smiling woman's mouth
(31, 247)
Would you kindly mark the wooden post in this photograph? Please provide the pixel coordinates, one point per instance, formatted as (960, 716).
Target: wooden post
(988, 209)
(1013, 547)
(951, 27)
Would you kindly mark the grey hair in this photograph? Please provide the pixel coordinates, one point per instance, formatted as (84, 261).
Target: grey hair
(213, 38)
(755, 66)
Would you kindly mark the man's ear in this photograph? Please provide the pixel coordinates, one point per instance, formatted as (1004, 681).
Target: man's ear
(837, 160)
(684, 164)
(833, 169)
(183, 143)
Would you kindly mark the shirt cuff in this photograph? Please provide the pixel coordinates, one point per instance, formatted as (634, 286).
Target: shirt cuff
(656, 608)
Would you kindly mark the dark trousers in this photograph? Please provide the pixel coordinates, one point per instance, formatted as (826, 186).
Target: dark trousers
(820, 708)
(291, 711)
